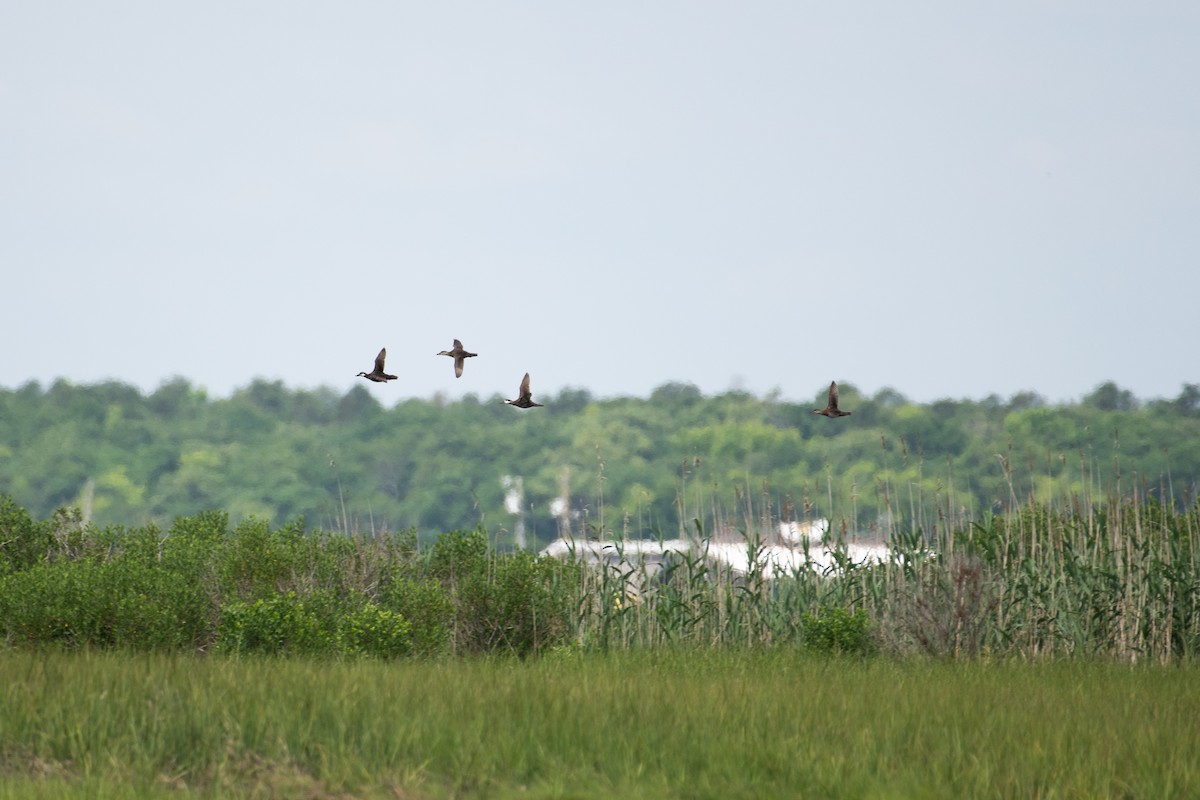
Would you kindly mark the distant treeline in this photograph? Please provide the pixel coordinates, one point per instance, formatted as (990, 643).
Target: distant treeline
(643, 465)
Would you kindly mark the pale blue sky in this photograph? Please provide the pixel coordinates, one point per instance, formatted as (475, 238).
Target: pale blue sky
(948, 199)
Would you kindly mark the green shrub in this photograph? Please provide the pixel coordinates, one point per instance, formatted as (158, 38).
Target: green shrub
(317, 625)
(837, 631)
(103, 604)
(370, 630)
(534, 601)
(515, 602)
(260, 562)
(427, 607)
(23, 542)
(283, 624)
(459, 554)
(60, 603)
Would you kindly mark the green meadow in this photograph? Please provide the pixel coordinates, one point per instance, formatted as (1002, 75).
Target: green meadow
(667, 723)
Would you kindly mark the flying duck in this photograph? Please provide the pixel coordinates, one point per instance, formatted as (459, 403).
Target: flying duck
(832, 410)
(377, 374)
(458, 354)
(524, 396)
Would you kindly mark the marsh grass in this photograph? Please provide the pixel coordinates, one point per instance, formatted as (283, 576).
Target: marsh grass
(667, 723)
(1064, 568)
(1060, 565)
(1086, 574)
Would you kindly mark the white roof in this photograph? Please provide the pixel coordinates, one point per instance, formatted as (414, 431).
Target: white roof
(777, 559)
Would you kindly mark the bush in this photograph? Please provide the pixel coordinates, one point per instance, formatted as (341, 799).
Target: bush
(62, 603)
(946, 611)
(370, 630)
(103, 604)
(516, 602)
(280, 625)
(318, 625)
(837, 631)
(459, 555)
(23, 542)
(534, 601)
(260, 562)
(426, 606)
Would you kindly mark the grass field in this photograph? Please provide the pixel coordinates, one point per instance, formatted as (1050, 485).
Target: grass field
(686, 724)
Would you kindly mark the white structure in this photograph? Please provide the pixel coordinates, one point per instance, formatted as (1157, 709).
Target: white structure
(799, 546)
(800, 532)
(514, 496)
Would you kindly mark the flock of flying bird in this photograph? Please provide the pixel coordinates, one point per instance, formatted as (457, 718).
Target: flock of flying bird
(525, 397)
(459, 354)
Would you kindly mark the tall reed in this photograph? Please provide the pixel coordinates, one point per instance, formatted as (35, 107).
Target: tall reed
(1060, 566)
(1086, 571)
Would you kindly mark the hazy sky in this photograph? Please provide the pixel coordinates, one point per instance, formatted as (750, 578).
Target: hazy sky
(950, 199)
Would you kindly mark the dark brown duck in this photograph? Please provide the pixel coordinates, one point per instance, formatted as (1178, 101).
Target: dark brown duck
(831, 409)
(524, 396)
(377, 374)
(458, 354)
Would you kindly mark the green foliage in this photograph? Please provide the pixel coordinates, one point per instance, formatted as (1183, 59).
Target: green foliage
(1099, 577)
(281, 591)
(279, 625)
(99, 602)
(23, 542)
(533, 602)
(316, 625)
(516, 602)
(838, 631)
(459, 555)
(348, 464)
(423, 601)
(370, 630)
(260, 561)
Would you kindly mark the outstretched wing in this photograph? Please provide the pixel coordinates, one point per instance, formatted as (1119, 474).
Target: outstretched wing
(833, 395)
(379, 359)
(524, 387)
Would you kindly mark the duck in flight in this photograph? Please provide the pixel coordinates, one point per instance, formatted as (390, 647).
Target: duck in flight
(458, 354)
(524, 396)
(831, 410)
(378, 375)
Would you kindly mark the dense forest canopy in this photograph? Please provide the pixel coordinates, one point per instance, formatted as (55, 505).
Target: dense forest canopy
(638, 465)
